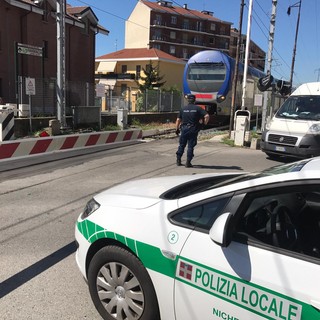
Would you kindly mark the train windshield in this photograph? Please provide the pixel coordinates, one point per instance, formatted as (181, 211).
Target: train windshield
(206, 77)
(300, 107)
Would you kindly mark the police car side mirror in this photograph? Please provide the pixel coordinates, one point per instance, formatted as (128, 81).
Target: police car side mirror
(220, 232)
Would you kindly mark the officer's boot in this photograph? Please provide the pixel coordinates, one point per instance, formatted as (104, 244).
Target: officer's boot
(188, 164)
(178, 161)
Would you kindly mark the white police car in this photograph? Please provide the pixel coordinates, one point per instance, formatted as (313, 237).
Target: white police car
(210, 246)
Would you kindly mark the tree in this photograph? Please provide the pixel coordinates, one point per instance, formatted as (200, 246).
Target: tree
(152, 78)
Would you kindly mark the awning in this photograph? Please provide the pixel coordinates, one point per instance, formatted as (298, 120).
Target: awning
(106, 66)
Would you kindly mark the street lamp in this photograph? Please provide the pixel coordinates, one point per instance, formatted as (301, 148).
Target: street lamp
(296, 5)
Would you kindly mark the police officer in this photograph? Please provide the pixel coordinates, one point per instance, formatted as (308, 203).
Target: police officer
(190, 119)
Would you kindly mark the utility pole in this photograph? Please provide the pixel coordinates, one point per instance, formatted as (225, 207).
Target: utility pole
(297, 4)
(318, 70)
(269, 63)
(61, 62)
(236, 70)
(245, 71)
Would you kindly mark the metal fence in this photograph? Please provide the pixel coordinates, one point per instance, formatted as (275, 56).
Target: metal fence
(159, 101)
(147, 101)
(44, 100)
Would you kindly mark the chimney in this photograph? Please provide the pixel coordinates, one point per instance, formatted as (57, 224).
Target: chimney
(185, 6)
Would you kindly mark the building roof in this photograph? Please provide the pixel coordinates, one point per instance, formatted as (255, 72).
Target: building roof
(74, 13)
(167, 7)
(79, 12)
(140, 54)
(84, 11)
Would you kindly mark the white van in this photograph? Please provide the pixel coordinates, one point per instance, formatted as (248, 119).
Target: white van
(295, 128)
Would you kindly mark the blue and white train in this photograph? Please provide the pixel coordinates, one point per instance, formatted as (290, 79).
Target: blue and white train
(209, 75)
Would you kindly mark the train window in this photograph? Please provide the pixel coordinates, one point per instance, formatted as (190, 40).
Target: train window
(207, 71)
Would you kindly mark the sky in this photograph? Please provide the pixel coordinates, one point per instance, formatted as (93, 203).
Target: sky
(113, 14)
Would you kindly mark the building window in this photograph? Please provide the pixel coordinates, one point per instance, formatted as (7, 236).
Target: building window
(158, 19)
(172, 35)
(212, 41)
(124, 68)
(173, 19)
(197, 40)
(199, 26)
(45, 11)
(213, 27)
(123, 90)
(45, 48)
(172, 50)
(138, 72)
(157, 34)
(235, 41)
(185, 53)
(156, 46)
(185, 24)
(184, 38)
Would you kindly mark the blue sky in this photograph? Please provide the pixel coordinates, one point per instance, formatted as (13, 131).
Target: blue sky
(112, 16)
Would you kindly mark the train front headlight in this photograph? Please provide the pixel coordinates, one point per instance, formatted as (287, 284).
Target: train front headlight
(220, 98)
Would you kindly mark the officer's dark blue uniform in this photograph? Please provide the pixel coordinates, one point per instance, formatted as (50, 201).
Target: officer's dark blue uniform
(189, 122)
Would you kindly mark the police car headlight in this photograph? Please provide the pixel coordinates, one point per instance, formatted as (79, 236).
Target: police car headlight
(91, 207)
(314, 129)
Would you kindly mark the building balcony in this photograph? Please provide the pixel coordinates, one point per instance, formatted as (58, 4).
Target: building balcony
(190, 29)
(115, 76)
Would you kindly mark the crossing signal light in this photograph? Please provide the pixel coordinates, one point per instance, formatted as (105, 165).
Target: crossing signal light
(265, 83)
(284, 87)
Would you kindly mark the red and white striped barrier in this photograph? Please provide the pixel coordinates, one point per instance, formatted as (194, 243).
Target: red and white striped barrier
(6, 125)
(25, 147)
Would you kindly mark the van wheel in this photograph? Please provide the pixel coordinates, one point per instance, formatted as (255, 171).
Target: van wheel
(120, 286)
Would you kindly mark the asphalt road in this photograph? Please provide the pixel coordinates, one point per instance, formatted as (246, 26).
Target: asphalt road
(40, 204)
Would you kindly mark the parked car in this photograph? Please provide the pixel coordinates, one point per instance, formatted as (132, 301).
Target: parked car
(208, 246)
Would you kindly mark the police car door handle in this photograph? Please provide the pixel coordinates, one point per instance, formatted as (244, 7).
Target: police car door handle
(316, 304)
(169, 254)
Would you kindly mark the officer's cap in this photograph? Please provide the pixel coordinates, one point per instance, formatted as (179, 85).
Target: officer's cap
(191, 97)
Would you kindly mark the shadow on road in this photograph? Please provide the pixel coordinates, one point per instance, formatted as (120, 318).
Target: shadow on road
(34, 270)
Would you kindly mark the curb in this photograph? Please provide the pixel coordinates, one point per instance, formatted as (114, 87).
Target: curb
(36, 146)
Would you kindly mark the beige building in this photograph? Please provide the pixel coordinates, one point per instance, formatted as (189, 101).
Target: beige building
(179, 31)
(119, 71)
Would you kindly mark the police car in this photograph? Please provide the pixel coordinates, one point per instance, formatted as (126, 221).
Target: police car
(208, 246)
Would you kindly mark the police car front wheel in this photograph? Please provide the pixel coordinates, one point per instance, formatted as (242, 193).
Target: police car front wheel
(120, 286)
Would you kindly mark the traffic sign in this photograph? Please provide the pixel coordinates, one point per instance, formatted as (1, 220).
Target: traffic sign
(100, 90)
(30, 86)
(30, 50)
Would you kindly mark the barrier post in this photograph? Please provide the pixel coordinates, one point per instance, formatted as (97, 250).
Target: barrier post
(6, 125)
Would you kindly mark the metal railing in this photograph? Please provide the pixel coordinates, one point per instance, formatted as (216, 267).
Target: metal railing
(44, 101)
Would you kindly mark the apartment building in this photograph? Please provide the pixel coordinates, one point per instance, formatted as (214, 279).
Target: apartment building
(178, 31)
(28, 48)
(257, 56)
